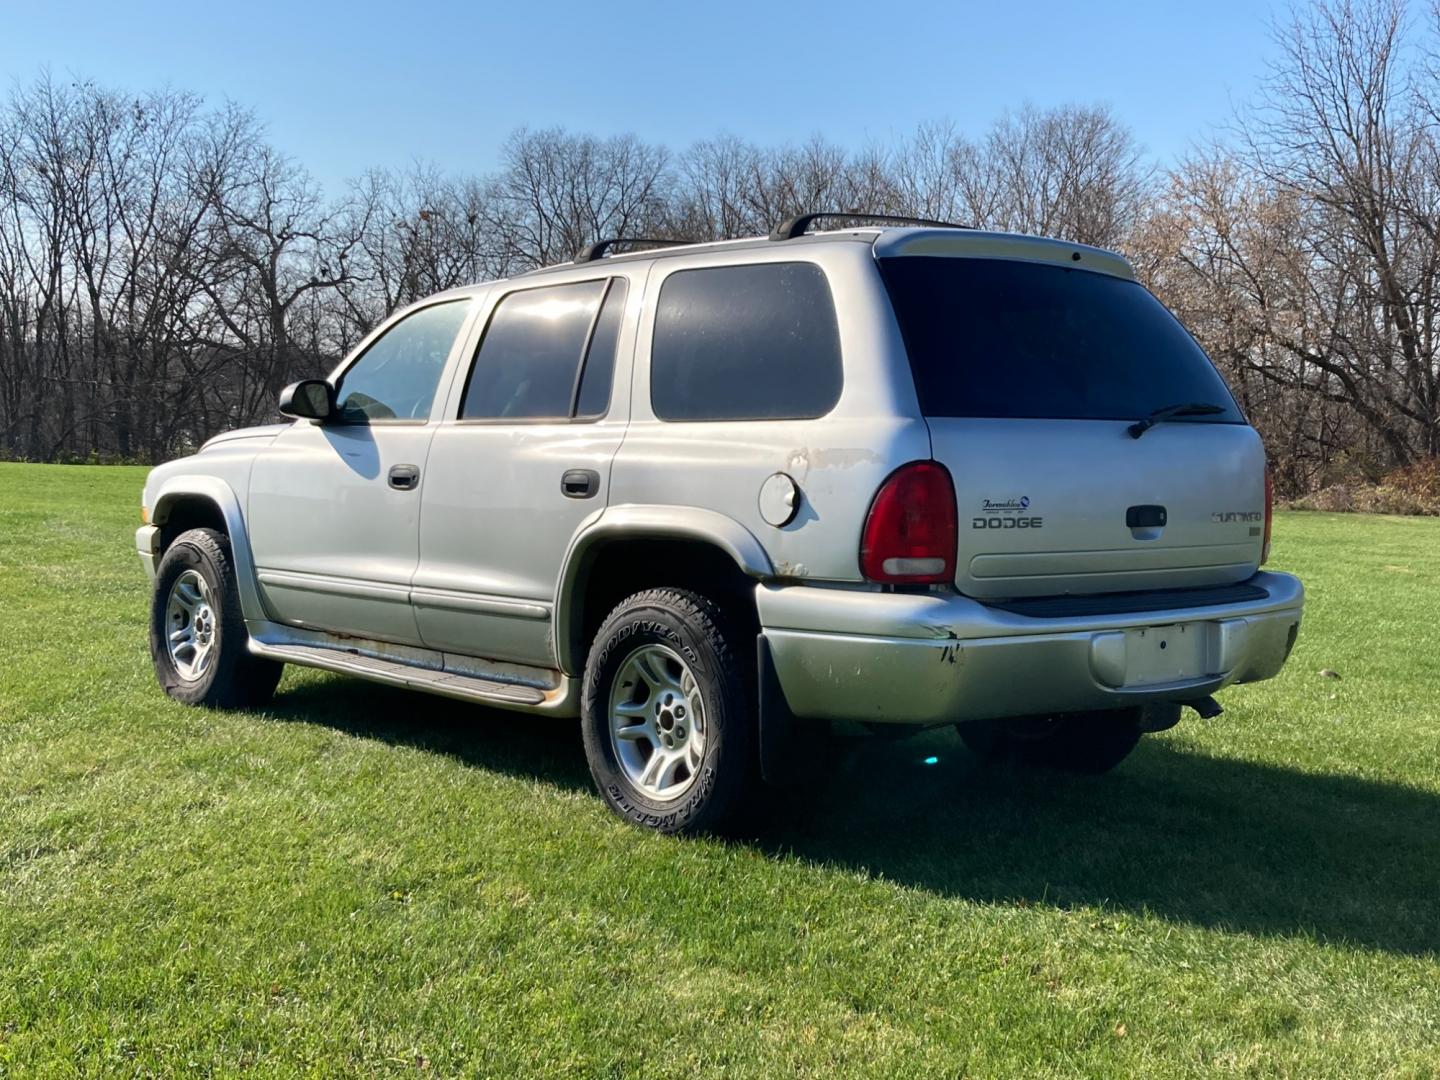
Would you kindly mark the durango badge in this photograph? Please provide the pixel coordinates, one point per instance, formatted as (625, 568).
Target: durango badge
(1225, 518)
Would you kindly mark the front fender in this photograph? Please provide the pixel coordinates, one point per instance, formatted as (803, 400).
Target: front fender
(178, 488)
(638, 522)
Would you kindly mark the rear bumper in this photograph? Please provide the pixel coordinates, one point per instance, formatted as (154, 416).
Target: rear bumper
(147, 543)
(847, 654)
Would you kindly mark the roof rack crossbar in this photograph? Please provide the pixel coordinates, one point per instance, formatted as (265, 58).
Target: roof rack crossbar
(591, 252)
(796, 226)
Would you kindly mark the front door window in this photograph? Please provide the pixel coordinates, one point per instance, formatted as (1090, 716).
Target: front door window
(395, 378)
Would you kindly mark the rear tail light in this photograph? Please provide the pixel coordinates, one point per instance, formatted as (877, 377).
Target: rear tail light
(1269, 515)
(911, 532)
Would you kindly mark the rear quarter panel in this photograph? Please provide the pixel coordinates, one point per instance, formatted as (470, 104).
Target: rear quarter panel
(837, 461)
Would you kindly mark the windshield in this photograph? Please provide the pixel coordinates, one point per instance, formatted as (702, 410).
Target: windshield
(996, 338)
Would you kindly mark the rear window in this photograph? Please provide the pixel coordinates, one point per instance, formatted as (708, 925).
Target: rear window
(745, 343)
(989, 338)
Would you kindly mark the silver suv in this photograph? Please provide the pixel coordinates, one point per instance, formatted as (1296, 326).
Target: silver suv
(707, 497)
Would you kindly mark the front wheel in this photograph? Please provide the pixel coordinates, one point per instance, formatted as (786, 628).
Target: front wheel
(666, 713)
(198, 640)
(1093, 742)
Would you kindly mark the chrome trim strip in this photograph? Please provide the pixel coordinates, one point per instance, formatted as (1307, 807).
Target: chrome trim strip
(397, 594)
(485, 605)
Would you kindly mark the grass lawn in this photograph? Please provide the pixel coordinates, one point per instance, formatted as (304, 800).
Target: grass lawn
(366, 882)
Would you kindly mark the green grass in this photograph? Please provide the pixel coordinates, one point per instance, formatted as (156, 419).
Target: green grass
(360, 881)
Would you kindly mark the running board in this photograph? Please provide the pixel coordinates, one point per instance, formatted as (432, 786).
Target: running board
(505, 695)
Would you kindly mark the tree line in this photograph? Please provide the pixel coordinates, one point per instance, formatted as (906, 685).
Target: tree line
(164, 270)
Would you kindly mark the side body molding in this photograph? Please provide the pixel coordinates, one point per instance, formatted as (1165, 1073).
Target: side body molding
(220, 493)
(640, 522)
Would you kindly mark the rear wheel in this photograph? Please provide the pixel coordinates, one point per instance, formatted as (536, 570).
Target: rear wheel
(1093, 742)
(667, 716)
(198, 640)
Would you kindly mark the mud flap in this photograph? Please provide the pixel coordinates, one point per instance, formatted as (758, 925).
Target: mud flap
(777, 722)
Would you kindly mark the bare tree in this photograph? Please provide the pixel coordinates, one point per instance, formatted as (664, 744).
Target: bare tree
(271, 243)
(164, 270)
(1323, 235)
(929, 174)
(1073, 172)
(712, 199)
(557, 191)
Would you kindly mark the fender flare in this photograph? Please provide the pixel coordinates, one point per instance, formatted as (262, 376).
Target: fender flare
(217, 491)
(645, 522)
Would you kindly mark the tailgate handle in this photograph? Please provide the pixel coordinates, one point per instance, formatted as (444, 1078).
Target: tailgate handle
(1145, 517)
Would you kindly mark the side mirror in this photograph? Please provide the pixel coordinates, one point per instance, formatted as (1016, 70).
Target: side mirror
(308, 399)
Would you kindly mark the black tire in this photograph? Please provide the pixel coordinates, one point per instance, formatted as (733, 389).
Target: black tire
(692, 627)
(1088, 743)
(234, 678)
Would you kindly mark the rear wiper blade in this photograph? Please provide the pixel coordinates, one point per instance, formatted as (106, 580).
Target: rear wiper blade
(1159, 416)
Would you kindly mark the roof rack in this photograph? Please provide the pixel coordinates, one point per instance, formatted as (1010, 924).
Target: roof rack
(591, 252)
(796, 226)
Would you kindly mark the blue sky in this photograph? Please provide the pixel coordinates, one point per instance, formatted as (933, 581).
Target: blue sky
(342, 87)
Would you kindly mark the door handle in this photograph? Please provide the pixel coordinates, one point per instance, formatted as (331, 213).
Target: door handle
(580, 483)
(405, 477)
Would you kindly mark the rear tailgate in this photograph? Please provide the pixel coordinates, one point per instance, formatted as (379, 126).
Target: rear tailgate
(1030, 371)
(1045, 505)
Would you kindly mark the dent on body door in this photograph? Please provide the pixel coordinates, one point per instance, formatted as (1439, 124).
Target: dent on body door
(335, 507)
(526, 462)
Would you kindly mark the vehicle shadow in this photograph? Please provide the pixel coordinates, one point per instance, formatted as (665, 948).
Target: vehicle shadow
(1215, 842)
(507, 742)
(1219, 843)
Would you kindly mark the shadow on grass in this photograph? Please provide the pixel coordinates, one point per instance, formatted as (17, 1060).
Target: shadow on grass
(1217, 843)
(509, 742)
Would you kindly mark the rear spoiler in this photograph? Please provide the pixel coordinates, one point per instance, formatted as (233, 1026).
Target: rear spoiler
(973, 244)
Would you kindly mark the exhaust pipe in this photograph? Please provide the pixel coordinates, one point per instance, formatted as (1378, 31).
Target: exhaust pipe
(1163, 715)
(1206, 707)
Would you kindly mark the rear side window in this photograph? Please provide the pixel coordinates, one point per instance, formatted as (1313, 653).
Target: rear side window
(547, 354)
(991, 338)
(745, 343)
